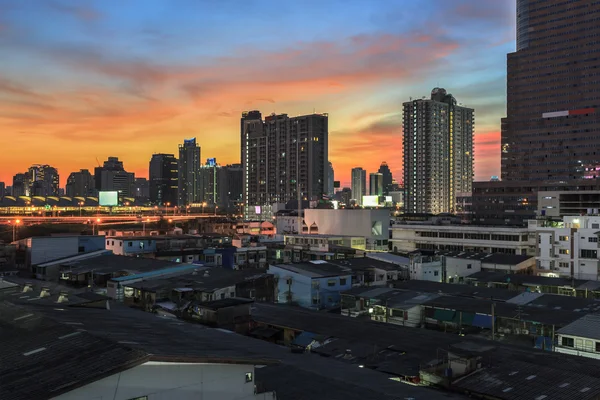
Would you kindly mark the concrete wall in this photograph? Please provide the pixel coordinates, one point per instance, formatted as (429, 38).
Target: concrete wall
(127, 247)
(583, 347)
(352, 222)
(560, 249)
(461, 267)
(406, 238)
(167, 381)
(305, 289)
(43, 249)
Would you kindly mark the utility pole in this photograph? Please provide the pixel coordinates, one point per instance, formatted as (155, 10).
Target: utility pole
(493, 321)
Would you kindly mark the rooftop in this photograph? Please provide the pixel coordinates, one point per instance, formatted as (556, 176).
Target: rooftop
(224, 303)
(457, 289)
(493, 258)
(362, 263)
(316, 269)
(399, 350)
(388, 257)
(110, 263)
(524, 279)
(206, 280)
(587, 326)
(168, 270)
(143, 333)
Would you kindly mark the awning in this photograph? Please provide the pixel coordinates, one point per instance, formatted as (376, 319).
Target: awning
(465, 319)
(482, 321)
(444, 315)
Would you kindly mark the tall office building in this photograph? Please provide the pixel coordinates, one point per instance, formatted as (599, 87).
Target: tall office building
(230, 183)
(384, 170)
(43, 180)
(189, 166)
(553, 113)
(549, 137)
(438, 152)
(141, 190)
(283, 158)
(208, 180)
(164, 176)
(80, 184)
(358, 184)
(330, 180)
(113, 177)
(20, 186)
(376, 184)
(2, 190)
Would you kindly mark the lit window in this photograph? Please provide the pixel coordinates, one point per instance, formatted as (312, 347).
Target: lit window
(248, 377)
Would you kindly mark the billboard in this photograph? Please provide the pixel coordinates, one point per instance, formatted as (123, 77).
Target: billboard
(108, 199)
(336, 184)
(370, 201)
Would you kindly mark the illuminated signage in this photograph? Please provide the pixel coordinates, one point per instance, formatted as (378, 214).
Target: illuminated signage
(108, 199)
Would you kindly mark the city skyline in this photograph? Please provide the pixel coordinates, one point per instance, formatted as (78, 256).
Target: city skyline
(121, 82)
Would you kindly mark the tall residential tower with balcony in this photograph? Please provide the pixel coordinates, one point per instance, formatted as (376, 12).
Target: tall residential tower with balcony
(438, 153)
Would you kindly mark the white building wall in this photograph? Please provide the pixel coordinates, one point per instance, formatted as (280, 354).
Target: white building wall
(372, 224)
(460, 267)
(44, 249)
(431, 271)
(285, 224)
(583, 347)
(405, 238)
(168, 381)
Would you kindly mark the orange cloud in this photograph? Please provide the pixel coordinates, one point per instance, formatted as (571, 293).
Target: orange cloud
(131, 108)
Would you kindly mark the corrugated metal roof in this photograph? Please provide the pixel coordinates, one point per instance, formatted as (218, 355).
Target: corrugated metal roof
(587, 326)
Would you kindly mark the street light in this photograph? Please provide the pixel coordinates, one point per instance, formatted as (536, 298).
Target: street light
(94, 226)
(144, 226)
(17, 222)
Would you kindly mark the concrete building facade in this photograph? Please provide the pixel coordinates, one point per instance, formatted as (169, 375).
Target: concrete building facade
(373, 224)
(411, 237)
(80, 184)
(359, 184)
(568, 249)
(189, 166)
(284, 158)
(438, 152)
(164, 179)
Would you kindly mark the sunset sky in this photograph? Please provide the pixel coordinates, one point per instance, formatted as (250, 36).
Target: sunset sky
(84, 80)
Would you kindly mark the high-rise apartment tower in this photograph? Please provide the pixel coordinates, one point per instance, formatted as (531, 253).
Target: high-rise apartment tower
(438, 152)
(284, 158)
(164, 177)
(189, 168)
(358, 184)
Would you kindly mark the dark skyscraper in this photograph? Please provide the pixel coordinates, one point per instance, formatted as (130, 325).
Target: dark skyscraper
(189, 167)
(44, 180)
(387, 177)
(550, 136)
(358, 184)
(112, 176)
(375, 184)
(438, 152)
(163, 173)
(552, 127)
(208, 179)
(281, 155)
(230, 183)
(80, 184)
(20, 186)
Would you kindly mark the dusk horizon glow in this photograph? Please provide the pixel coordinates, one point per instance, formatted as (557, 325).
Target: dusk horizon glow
(83, 80)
